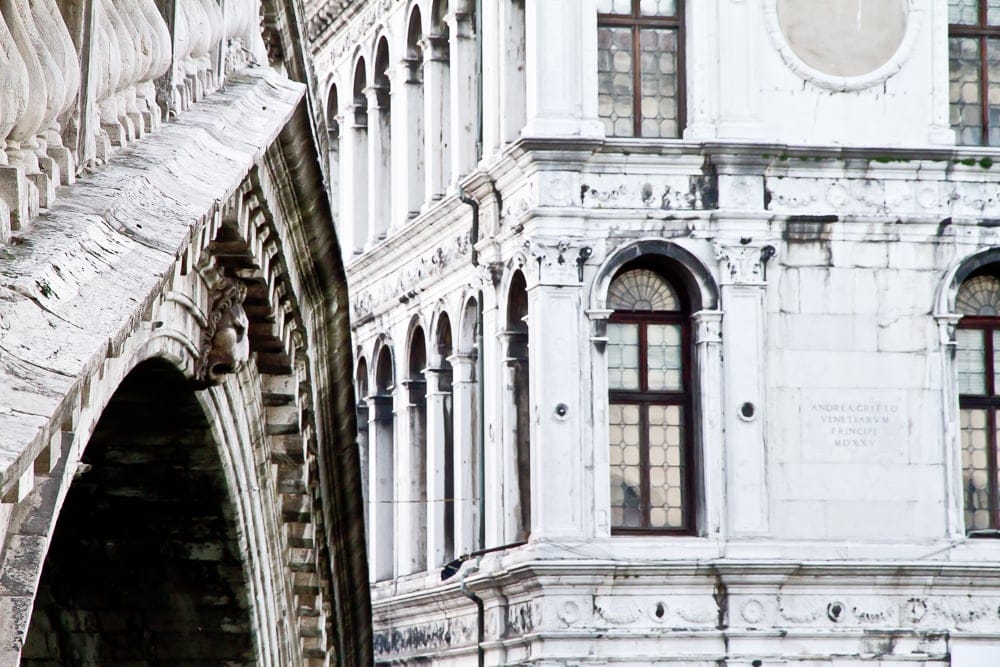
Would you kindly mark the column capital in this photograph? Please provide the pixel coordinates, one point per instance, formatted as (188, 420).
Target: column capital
(707, 326)
(743, 263)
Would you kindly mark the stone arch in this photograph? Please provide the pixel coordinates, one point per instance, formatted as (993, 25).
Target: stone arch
(147, 556)
(210, 276)
(698, 281)
(944, 302)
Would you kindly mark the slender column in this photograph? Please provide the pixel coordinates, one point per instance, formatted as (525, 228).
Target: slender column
(380, 485)
(463, 96)
(708, 352)
(411, 512)
(510, 500)
(407, 143)
(950, 424)
(493, 388)
(363, 455)
(512, 72)
(493, 48)
(560, 64)
(379, 190)
(466, 451)
(743, 291)
(436, 108)
(354, 182)
(438, 397)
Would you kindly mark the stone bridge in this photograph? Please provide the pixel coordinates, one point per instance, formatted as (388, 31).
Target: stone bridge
(178, 470)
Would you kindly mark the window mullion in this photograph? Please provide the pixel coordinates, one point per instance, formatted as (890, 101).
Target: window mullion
(636, 81)
(645, 492)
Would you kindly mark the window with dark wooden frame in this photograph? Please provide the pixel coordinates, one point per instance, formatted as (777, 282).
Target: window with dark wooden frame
(974, 50)
(640, 67)
(649, 404)
(978, 362)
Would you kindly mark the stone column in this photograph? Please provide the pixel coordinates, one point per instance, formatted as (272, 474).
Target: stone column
(379, 191)
(438, 397)
(512, 71)
(494, 410)
(708, 363)
(411, 508)
(950, 424)
(494, 47)
(743, 286)
(463, 95)
(381, 494)
(407, 142)
(436, 108)
(353, 181)
(466, 452)
(561, 83)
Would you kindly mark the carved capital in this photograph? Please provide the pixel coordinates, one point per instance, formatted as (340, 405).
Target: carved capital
(947, 323)
(225, 345)
(559, 261)
(707, 326)
(743, 264)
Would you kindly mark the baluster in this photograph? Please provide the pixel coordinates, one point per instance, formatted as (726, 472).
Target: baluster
(160, 52)
(13, 102)
(51, 24)
(107, 59)
(21, 140)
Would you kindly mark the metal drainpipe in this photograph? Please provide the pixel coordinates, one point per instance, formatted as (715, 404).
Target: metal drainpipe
(473, 203)
(479, 82)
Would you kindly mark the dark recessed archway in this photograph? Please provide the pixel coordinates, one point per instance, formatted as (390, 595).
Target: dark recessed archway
(145, 566)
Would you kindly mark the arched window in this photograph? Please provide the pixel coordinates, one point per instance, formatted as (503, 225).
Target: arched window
(380, 144)
(416, 500)
(414, 173)
(519, 401)
(382, 485)
(978, 338)
(649, 412)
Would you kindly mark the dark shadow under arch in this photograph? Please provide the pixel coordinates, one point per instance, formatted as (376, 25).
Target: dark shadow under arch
(145, 565)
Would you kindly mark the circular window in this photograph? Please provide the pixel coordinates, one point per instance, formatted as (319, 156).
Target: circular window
(843, 44)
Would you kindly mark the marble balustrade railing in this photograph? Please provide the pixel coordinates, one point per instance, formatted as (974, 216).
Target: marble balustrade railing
(82, 79)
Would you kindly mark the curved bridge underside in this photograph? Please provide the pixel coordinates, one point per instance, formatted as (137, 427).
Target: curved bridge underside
(159, 501)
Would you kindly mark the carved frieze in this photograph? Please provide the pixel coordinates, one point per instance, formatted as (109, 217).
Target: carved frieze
(405, 283)
(424, 637)
(917, 197)
(681, 192)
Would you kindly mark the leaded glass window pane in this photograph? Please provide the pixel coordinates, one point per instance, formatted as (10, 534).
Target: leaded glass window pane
(663, 357)
(993, 12)
(642, 289)
(993, 90)
(659, 82)
(614, 6)
(658, 7)
(971, 361)
(625, 462)
(615, 80)
(965, 90)
(666, 464)
(975, 469)
(623, 356)
(965, 12)
(979, 296)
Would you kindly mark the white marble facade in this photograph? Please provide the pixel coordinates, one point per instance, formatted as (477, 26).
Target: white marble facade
(816, 215)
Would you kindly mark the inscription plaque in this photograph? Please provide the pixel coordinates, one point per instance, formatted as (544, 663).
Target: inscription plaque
(840, 425)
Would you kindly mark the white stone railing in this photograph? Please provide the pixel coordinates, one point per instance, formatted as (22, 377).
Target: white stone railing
(83, 79)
